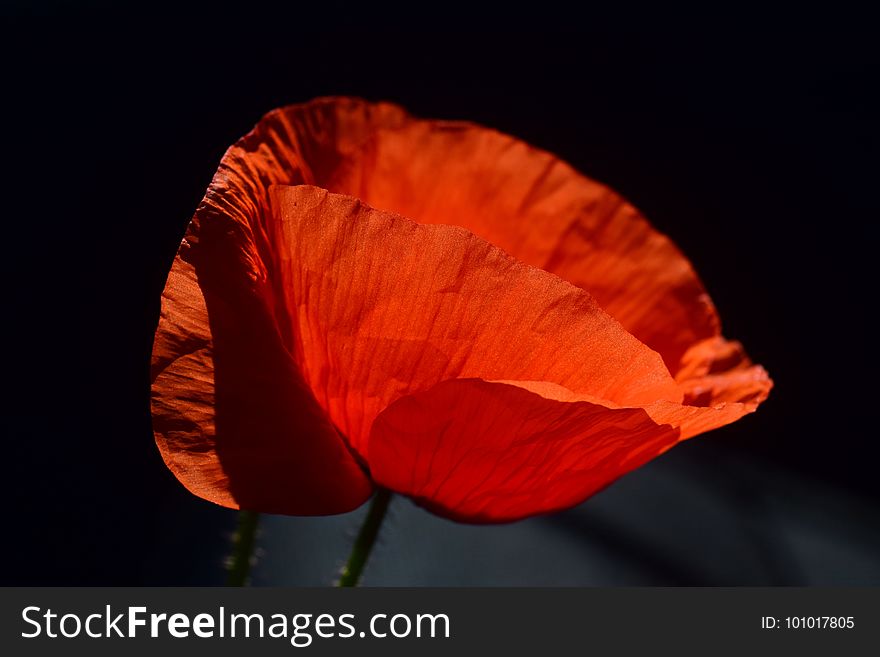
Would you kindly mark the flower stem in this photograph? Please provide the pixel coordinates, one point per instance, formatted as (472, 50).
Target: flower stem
(239, 565)
(365, 540)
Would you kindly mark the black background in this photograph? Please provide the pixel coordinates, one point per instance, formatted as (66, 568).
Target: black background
(752, 140)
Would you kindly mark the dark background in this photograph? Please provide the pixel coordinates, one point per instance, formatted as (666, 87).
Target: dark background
(751, 139)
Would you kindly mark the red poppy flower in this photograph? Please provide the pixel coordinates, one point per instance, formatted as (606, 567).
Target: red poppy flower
(367, 298)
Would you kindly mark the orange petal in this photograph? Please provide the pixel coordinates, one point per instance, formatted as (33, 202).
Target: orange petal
(545, 213)
(693, 420)
(716, 370)
(522, 199)
(479, 451)
(384, 307)
(308, 143)
(256, 439)
(272, 300)
(688, 418)
(231, 414)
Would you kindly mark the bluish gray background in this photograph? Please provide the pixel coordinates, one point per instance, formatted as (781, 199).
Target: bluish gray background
(689, 518)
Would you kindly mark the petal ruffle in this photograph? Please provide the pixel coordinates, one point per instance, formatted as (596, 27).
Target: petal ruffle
(716, 370)
(383, 307)
(688, 418)
(480, 451)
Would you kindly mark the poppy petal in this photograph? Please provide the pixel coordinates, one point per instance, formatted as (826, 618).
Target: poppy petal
(717, 370)
(384, 307)
(538, 208)
(305, 143)
(232, 416)
(734, 392)
(480, 451)
(694, 420)
(258, 439)
(520, 198)
(293, 318)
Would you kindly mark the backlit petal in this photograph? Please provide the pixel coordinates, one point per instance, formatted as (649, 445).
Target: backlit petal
(717, 370)
(232, 416)
(502, 349)
(384, 307)
(545, 213)
(479, 451)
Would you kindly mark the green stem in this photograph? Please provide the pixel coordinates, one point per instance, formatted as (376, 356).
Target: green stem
(365, 540)
(239, 566)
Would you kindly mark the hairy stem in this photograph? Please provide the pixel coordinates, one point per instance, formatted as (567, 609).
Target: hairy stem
(239, 565)
(366, 538)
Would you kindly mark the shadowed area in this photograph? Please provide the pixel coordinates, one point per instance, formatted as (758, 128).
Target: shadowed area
(693, 517)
